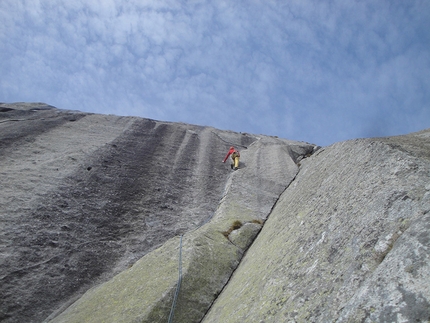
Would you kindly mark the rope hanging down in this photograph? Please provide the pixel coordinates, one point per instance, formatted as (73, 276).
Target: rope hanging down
(178, 286)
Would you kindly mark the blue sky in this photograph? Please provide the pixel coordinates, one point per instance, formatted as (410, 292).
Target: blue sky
(317, 71)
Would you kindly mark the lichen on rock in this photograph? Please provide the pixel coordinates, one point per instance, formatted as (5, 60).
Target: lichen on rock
(124, 219)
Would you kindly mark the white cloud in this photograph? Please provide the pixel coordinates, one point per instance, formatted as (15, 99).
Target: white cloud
(277, 65)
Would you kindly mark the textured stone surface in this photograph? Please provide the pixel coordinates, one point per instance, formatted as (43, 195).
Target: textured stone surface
(348, 241)
(84, 196)
(92, 207)
(245, 235)
(210, 254)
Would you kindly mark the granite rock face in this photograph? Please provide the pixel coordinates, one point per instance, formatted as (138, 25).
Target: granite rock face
(209, 254)
(348, 241)
(84, 196)
(125, 219)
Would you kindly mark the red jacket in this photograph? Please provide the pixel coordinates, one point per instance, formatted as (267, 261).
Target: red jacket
(231, 151)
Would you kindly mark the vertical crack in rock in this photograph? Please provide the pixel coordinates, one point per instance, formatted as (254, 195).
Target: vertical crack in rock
(93, 196)
(316, 258)
(243, 236)
(209, 255)
(84, 196)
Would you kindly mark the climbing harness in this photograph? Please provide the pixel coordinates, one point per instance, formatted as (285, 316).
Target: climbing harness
(178, 285)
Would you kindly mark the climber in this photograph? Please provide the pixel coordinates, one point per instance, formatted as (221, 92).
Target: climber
(235, 155)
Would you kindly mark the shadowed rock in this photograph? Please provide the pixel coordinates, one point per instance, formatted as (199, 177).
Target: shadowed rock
(210, 254)
(84, 196)
(93, 208)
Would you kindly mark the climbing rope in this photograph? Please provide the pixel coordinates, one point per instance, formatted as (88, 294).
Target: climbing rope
(178, 285)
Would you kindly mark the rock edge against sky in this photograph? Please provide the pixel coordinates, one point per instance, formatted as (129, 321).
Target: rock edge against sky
(93, 207)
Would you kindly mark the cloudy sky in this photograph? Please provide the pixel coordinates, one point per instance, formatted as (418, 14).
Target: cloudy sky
(319, 71)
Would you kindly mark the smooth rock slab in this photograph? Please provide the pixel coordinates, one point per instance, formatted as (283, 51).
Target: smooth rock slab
(348, 241)
(84, 196)
(209, 255)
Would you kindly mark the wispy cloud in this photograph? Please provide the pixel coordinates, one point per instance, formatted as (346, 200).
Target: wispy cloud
(320, 71)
